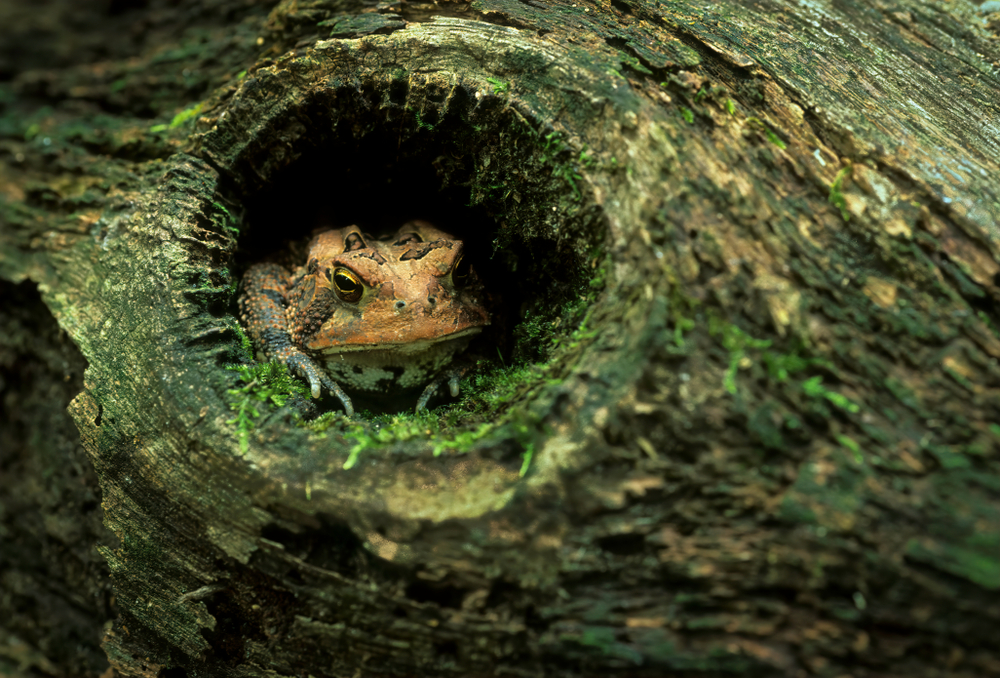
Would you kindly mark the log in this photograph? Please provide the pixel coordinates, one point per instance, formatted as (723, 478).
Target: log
(744, 414)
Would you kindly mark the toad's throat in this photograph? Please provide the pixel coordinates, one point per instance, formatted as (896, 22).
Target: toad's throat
(384, 367)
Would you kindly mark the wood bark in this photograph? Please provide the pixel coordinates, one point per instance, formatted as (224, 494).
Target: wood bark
(750, 248)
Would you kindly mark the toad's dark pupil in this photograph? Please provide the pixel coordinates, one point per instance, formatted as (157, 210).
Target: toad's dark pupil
(345, 283)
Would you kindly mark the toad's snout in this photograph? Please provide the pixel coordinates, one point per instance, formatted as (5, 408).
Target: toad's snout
(408, 306)
(417, 299)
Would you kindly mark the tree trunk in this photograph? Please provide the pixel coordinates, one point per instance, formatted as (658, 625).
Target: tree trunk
(744, 416)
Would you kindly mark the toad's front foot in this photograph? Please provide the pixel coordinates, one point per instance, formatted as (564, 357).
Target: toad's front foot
(451, 376)
(301, 364)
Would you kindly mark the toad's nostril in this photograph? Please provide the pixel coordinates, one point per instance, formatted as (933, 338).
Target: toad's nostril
(400, 305)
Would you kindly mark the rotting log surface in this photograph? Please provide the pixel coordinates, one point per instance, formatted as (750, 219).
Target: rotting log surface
(772, 449)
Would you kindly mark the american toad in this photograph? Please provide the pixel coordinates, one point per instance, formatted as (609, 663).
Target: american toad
(371, 315)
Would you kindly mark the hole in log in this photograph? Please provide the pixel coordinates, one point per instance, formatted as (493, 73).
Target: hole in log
(466, 161)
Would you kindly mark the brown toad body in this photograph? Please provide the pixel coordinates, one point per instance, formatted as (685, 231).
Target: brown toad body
(372, 315)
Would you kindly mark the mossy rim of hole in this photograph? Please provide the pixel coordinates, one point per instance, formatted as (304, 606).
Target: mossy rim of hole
(509, 186)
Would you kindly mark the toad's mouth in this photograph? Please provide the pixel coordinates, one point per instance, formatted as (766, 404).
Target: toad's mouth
(407, 345)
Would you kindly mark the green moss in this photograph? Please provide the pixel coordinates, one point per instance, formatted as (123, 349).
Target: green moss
(492, 390)
(774, 139)
(687, 114)
(224, 220)
(244, 351)
(780, 366)
(680, 327)
(526, 457)
(538, 334)
(267, 384)
(484, 411)
(768, 132)
(632, 62)
(681, 307)
(852, 445)
(813, 388)
(978, 565)
(187, 114)
(836, 196)
(421, 123)
(386, 430)
(499, 86)
(736, 342)
(179, 119)
(553, 148)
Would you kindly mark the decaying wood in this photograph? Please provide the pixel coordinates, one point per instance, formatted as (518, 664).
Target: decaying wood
(771, 449)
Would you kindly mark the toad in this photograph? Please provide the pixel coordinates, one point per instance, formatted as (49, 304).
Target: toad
(379, 316)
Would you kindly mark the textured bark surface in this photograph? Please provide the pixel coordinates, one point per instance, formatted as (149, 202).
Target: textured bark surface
(752, 247)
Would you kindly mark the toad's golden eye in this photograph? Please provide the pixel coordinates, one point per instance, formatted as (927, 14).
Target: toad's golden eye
(347, 285)
(461, 272)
